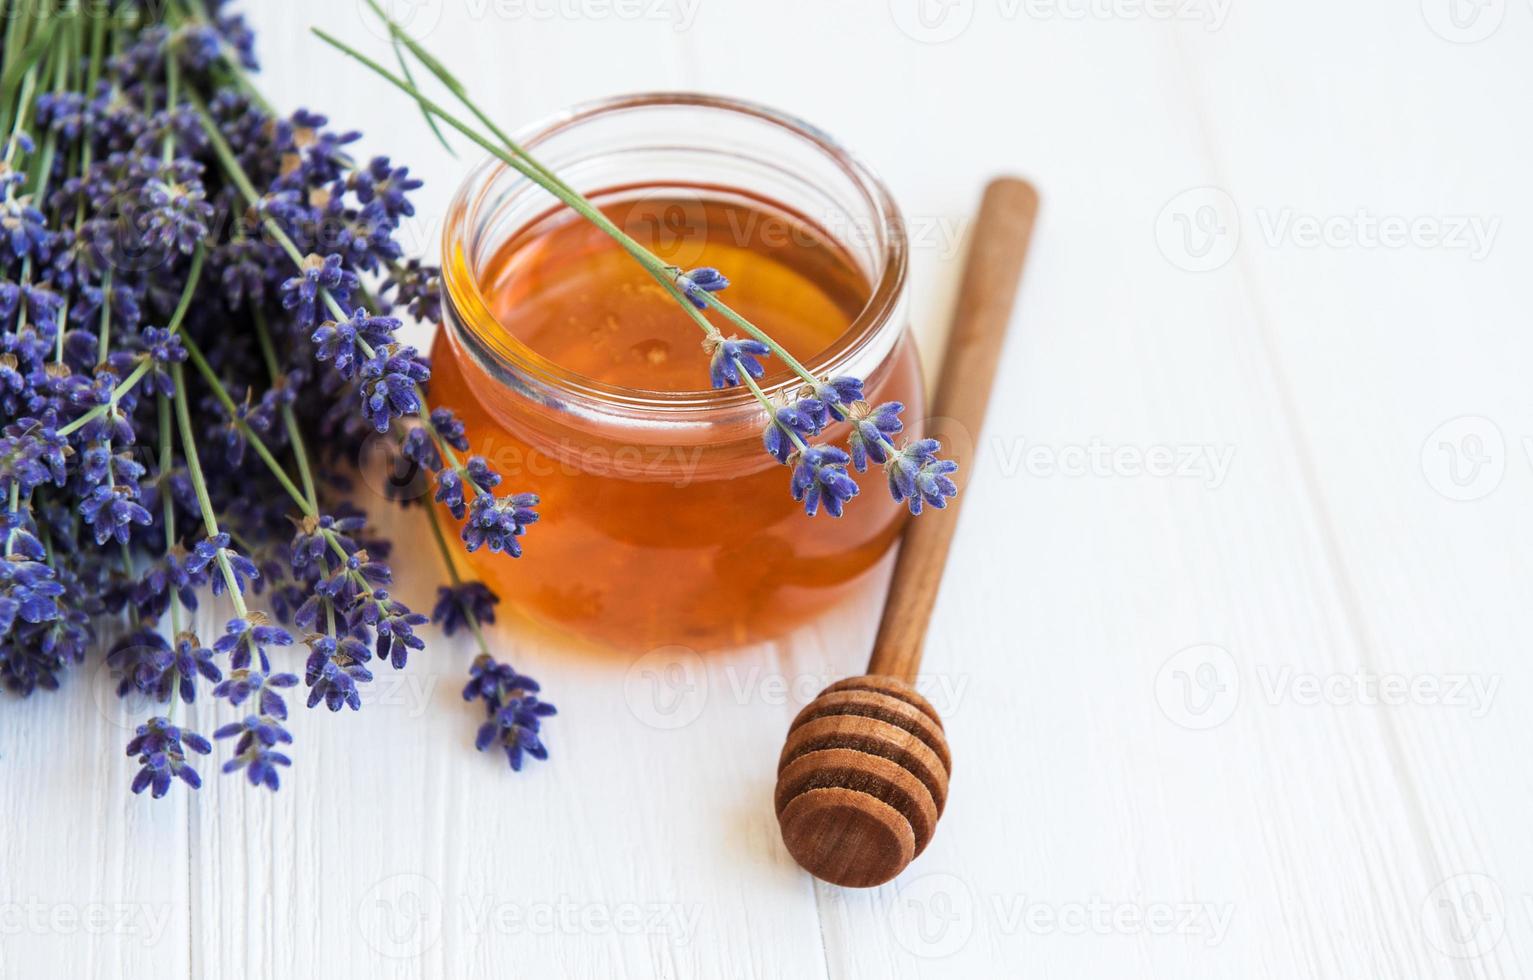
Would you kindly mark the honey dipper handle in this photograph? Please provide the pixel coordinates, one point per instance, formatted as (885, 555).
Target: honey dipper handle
(985, 298)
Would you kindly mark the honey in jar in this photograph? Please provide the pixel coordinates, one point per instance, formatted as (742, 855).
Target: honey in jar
(580, 378)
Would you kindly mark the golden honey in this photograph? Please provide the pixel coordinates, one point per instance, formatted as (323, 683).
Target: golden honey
(579, 378)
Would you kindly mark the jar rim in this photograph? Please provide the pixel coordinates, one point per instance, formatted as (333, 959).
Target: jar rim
(472, 323)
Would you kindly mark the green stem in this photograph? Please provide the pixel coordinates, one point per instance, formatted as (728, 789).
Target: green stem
(104, 330)
(241, 181)
(167, 501)
(172, 79)
(766, 403)
(289, 418)
(524, 163)
(126, 385)
(221, 393)
(200, 487)
(454, 577)
(43, 165)
(659, 269)
(10, 538)
(309, 507)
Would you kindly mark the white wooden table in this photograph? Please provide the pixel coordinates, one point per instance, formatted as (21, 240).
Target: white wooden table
(1234, 647)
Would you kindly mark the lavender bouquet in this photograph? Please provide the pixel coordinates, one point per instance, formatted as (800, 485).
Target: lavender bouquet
(194, 293)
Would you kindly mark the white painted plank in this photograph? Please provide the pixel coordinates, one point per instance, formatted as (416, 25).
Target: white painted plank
(1072, 787)
(1320, 831)
(93, 880)
(1380, 351)
(396, 850)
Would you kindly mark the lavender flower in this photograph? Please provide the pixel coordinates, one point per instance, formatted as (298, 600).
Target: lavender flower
(733, 358)
(918, 477)
(819, 476)
(496, 684)
(871, 432)
(388, 387)
(161, 749)
(257, 734)
(514, 729)
(244, 640)
(346, 343)
(496, 522)
(699, 281)
(301, 293)
(455, 604)
(334, 670)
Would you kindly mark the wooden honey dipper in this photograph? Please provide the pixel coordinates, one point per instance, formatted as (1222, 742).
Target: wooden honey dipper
(864, 774)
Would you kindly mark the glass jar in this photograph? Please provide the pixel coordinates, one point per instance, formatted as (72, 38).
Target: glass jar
(663, 520)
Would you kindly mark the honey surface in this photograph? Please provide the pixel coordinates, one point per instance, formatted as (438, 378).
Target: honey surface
(642, 543)
(574, 296)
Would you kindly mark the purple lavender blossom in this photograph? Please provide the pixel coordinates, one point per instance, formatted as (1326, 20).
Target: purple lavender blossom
(820, 477)
(732, 359)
